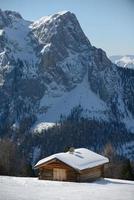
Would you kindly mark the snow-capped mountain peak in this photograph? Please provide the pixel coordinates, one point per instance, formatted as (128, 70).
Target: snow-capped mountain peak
(7, 17)
(126, 61)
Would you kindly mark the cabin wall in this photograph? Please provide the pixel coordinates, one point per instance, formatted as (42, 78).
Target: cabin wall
(87, 175)
(91, 174)
(46, 172)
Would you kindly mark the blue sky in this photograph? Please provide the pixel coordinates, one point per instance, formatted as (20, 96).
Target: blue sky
(109, 24)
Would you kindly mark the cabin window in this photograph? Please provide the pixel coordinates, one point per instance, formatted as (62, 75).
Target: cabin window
(59, 174)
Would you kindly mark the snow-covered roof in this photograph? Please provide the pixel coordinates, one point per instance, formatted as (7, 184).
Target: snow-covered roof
(80, 159)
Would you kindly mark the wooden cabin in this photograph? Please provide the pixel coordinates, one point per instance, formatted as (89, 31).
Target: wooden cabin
(79, 165)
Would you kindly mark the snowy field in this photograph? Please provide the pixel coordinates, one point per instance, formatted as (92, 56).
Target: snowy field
(13, 188)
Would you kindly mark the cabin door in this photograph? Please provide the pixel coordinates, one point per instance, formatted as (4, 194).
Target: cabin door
(59, 174)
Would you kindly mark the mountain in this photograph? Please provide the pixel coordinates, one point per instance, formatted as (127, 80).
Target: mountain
(126, 61)
(49, 67)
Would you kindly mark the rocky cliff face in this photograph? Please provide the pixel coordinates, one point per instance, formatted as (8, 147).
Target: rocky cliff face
(48, 67)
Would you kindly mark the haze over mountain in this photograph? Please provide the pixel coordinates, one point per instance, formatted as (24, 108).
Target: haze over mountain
(49, 67)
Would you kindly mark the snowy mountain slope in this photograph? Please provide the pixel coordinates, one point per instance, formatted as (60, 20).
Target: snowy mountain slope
(17, 44)
(13, 188)
(48, 67)
(126, 61)
(80, 95)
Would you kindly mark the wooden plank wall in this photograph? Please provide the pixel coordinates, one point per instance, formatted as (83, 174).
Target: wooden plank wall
(91, 174)
(46, 174)
(46, 171)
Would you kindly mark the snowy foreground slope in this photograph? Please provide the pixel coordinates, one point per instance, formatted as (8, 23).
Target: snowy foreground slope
(13, 188)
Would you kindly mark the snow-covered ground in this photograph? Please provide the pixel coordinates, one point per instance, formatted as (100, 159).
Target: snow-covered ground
(13, 188)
